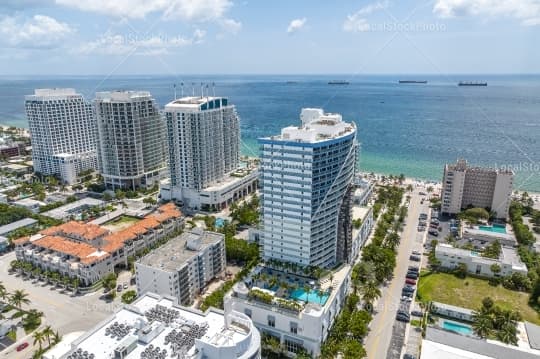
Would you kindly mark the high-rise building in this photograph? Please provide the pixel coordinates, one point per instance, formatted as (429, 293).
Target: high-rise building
(131, 139)
(465, 186)
(62, 129)
(307, 173)
(204, 141)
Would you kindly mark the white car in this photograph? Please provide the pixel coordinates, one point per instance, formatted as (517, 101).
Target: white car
(406, 299)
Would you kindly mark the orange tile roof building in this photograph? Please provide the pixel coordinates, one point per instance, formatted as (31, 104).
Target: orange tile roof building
(88, 251)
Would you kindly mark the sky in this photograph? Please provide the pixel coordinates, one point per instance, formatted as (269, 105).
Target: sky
(167, 37)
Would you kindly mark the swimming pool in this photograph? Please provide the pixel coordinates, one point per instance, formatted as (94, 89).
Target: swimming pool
(312, 297)
(457, 327)
(219, 222)
(494, 228)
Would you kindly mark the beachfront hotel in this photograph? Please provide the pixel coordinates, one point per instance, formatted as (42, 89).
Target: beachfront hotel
(88, 251)
(63, 135)
(204, 167)
(131, 132)
(465, 186)
(306, 175)
(307, 185)
(182, 267)
(157, 327)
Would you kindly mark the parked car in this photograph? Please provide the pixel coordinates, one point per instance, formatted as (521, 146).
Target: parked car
(435, 221)
(125, 285)
(119, 288)
(414, 258)
(406, 299)
(411, 275)
(408, 288)
(22, 346)
(434, 232)
(403, 318)
(410, 281)
(406, 293)
(402, 312)
(417, 253)
(417, 313)
(409, 356)
(413, 269)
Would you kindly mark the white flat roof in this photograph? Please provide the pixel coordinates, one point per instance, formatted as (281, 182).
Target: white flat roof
(432, 350)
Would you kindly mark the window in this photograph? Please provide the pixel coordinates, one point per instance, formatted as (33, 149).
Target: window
(294, 327)
(271, 321)
(292, 346)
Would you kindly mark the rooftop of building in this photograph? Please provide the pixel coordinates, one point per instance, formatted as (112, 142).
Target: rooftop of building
(444, 344)
(508, 256)
(451, 307)
(462, 165)
(155, 322)
(25, 222)
(317, 126)
(90, 242)
(28, 202)
(122, 96)
(52, 94)
(507, 235)
(197, 103)
(67, 209)
(176, 252)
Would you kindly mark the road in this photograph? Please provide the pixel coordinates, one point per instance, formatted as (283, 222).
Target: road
(381, 327)
(62, 311)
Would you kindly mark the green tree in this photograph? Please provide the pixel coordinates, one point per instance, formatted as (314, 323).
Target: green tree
(18, 298)
(39, 338)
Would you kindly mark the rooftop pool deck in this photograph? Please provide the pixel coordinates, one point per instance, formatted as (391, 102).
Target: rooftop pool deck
(312, 297)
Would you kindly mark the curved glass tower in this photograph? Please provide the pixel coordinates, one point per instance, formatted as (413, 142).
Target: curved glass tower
(306, 174)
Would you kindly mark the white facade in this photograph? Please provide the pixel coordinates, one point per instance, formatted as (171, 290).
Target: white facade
(131, 139)
(509, 261)
(306, 178)
(307, 328)
(204, 149)
(215, 335)
(183, 266)
(465, 186)
(63, 133)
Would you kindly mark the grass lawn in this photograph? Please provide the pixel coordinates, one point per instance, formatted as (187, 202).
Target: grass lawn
(447, 288)
(120, 223)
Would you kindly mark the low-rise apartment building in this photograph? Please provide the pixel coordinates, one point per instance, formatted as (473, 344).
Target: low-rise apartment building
(509, 261)
(88, 251)
(182, 267)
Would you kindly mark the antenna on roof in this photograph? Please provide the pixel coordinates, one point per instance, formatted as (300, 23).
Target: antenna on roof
(193, 88)
(207, 91)
(213, 89)
(182, 88)
(202, 90)
(175, 91)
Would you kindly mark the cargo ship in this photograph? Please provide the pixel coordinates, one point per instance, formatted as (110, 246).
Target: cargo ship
(468, 83)
(412, 81)
(338, 82)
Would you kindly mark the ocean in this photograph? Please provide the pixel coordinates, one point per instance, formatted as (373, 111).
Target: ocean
(403, 128)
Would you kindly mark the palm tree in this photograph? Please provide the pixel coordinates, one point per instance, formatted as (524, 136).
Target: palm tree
(3, 291)
(410, 187)
(18, 298)
(48, 333)
(307, 290)
(370, 292)
(39, 338)
(507, 334)
(57, 338)
(482, 324)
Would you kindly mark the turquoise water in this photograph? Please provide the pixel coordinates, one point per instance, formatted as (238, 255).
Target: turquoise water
(458, 328)
(495, 228)
(220, 222)
(474, 254)
(312, 297)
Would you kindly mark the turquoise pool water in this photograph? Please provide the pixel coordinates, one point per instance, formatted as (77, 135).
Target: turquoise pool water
(219, 222)
(313, 297)
(474, 254)
(458, 328)
(495, 228)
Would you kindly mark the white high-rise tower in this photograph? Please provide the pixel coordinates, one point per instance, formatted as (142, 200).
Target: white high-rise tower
(307, 172)
(62, 128)
(131, 139)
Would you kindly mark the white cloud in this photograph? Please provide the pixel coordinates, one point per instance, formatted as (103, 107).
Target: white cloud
(296, 25)
(197, 10)
(231, 26)
(357, 21)
(40, 31)
(116, 44)
(527, 11)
